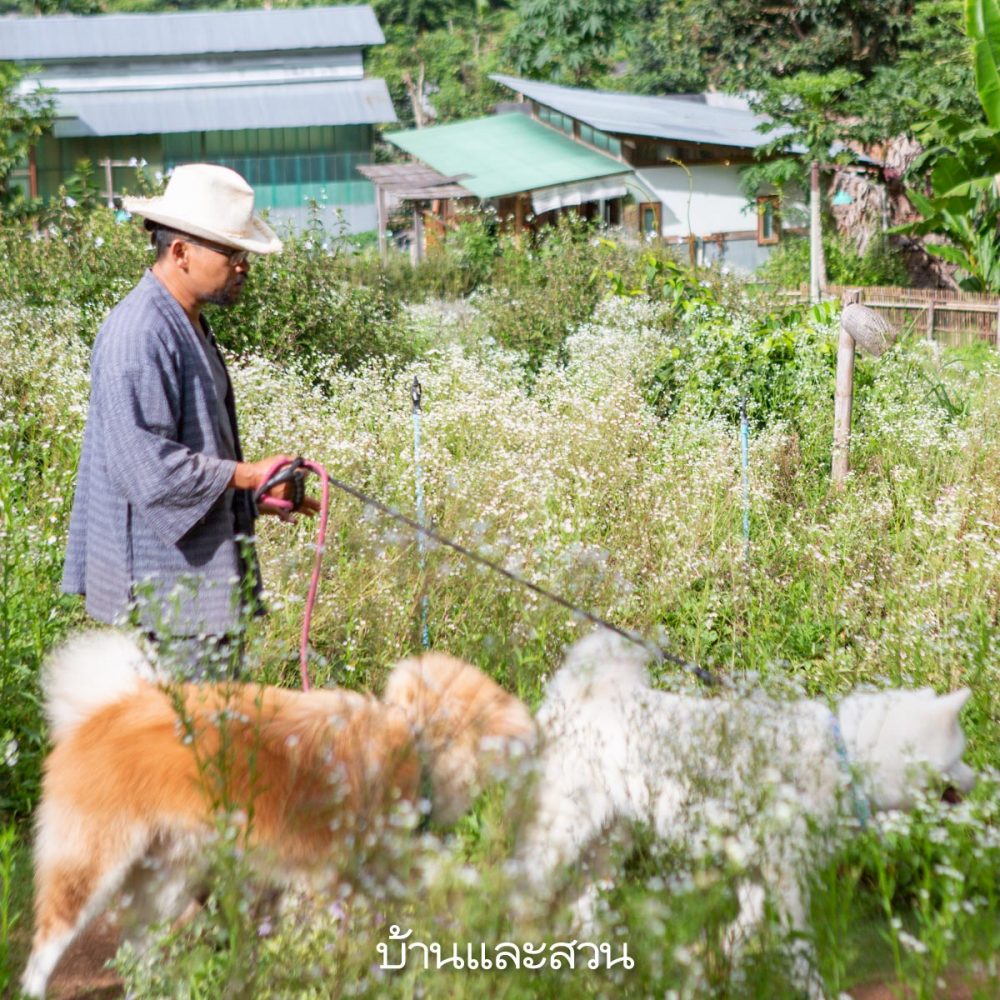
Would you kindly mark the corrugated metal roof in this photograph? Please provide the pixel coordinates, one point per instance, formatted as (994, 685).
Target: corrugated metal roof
(677, 118)
(104, 36)
(505, 154)
(209, 109)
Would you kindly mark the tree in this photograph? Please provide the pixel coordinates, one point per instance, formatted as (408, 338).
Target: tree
(805, 112)
(960, 167)
(24, 118)
(743, 44)
(568, 41)
(932, 71)
(442, 73)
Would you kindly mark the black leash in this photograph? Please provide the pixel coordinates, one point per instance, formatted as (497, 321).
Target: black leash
(705, 676)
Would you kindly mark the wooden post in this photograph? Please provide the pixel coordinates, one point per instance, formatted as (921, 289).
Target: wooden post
(843, 400)
(109, 180)
(930, 320)
(32, 174)
(519, 214)
(417, 246)
(817, 265)
(383, 249)
(859, 326)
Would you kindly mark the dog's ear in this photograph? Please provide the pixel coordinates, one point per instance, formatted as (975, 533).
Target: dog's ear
(953, 703)
(943, 712)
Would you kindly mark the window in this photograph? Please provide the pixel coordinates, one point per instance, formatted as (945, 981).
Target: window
(613, 212)
(649, 218)
(768, 222)
(555, 119)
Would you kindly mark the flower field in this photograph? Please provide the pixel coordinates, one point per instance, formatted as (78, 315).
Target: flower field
(604, 464)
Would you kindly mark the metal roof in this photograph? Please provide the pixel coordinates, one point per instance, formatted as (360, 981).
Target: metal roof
(194, 33)
(412, 181)
(505, 154)
(679, 118)
(208, 109)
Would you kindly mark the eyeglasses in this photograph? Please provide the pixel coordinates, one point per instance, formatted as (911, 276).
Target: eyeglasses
(234, 257)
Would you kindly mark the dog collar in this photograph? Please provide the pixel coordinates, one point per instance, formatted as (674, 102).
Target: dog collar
(860, 801)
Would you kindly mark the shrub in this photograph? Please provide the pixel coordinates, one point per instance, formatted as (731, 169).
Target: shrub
(453, 266)
(881, 264)
(714, 360)
(542, 289)
(299, 305)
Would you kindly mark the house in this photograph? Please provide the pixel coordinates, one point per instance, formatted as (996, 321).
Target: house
(527, 170)
(279, 95)
(663, 166)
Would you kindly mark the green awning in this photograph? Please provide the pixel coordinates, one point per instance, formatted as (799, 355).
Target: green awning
(505, 154)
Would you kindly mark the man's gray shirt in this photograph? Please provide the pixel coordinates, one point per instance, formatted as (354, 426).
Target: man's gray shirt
(153, 529)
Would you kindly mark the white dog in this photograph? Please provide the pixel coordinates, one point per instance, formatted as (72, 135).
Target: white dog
(719, 774)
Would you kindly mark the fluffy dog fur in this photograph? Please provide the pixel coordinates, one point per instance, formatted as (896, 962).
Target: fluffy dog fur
(139, 772)
(718, 771)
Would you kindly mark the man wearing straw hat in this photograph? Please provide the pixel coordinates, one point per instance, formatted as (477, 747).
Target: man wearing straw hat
(162, 523)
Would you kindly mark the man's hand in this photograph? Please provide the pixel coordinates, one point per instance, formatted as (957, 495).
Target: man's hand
(253, 475)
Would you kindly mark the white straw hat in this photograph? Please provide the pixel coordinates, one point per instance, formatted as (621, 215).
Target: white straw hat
(210, 201)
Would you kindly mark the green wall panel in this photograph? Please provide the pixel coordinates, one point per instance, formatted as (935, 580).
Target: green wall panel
(286, 167)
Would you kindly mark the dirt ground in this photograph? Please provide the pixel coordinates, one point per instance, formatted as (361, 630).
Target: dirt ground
(81, 974)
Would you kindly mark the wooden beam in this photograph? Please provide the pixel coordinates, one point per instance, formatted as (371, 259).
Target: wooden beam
(518, 214)
(383, 248)
(417, 246)
(32, 174)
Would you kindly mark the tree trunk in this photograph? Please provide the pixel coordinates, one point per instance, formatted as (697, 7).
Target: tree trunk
(415, 91)
(817, 265)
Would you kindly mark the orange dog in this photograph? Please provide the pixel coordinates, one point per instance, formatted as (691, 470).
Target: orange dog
(140, 772)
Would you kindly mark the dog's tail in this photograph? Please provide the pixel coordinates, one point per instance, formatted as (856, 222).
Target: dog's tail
(599, 667)
(86, 673)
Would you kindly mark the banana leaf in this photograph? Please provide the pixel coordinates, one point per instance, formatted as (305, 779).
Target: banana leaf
(983, 26)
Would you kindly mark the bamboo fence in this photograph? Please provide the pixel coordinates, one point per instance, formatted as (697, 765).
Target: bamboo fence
(948, 317)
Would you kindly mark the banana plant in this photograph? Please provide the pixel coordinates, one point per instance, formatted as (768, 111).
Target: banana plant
(961, 164)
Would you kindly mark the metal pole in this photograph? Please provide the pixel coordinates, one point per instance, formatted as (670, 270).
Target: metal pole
(745, 462)
(416, 394)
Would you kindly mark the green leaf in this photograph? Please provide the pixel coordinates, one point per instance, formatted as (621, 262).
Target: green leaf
(949, 172)
(949, 253)
(983, 25)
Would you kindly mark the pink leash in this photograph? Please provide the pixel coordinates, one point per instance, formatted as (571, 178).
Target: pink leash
(286, 507)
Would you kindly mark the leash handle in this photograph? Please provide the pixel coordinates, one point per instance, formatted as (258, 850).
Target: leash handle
(283, 471)
(294, 470)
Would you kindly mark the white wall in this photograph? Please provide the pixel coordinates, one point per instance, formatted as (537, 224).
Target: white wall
(718, 204)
